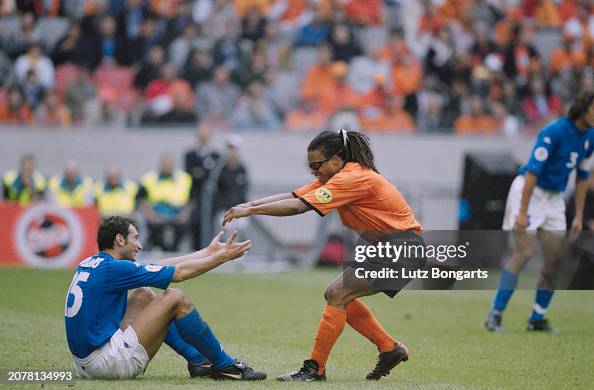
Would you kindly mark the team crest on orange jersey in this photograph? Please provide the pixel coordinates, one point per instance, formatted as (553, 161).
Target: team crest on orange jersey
(323, 195)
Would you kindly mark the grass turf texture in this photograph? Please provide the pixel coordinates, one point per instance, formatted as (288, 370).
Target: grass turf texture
(271, 320)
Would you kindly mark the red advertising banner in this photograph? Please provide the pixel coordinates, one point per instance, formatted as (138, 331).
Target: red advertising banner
(45, 235)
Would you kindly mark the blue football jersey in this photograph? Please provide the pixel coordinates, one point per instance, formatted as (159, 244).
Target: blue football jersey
(97, 297)
(559, 148)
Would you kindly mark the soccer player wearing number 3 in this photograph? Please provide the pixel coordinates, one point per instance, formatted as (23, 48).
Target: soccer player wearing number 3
(113, 334)
(347, 181)
(535, 206)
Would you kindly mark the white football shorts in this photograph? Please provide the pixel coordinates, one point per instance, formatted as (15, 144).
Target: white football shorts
(123, 357)
(546, 209)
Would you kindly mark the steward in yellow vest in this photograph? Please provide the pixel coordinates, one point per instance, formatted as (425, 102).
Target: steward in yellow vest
(24, 186)
(72, 189)
(115, 196)
(164, 198)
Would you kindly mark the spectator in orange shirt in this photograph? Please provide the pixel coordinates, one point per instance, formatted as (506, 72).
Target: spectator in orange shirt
(306, 117)
(477, 121)
(407, 74)
(566, 57)
(376, 97)
(567, 9)
(319, 76)
(430, 21)
(165, 8)
(546, 14)
(243, 6)
(292, 10)
(53, 112)
(390, 118)
(364, 12)
(14, 111)
(452, 9)
(340, 95)
(395, 47)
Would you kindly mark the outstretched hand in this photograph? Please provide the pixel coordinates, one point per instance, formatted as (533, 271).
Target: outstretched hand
(235, 213)
(215, 244)
(230, 250)
(576, 228)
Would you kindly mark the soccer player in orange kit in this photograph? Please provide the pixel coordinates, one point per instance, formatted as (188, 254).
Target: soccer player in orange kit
(348, 181)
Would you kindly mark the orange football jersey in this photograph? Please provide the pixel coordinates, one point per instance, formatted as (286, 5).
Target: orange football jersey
(364, 199)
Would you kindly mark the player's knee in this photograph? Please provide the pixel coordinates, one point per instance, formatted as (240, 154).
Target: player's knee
(143, 295)
(177, 297)
(525, 253)
(334, 295)
(174, 295)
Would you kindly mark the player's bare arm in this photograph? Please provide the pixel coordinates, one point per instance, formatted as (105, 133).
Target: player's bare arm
(197, 266)
(581, 188)
(214, 246)
(268, 199)
(529, 184)
(281, 208)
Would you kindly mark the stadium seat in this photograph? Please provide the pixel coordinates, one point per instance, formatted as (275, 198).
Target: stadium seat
(127, 99)
(302, 59)
(285, 89)
(10, 25)
(545, 41)
(65, 74)
(117, 76)
(376, 36)
(52, 30)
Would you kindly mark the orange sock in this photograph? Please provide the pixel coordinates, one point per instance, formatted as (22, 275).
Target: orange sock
(360, 318)
(331, 326)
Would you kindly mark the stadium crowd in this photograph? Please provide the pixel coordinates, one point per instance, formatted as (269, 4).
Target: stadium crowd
(393, 65)
(170, 201)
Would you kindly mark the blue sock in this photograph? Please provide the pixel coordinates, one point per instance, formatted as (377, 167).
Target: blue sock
(541, 302)
(507, 284)
(197, 333)
(174, 340)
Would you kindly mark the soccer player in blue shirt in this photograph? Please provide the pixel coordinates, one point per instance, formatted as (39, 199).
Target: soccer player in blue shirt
(535, 206)
(113, 334)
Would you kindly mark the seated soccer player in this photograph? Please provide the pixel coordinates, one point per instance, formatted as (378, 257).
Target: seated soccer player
(113, 334)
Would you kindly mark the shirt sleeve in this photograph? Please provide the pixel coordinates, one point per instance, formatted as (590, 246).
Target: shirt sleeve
(341, 189)
(542, 150)
(306, 188)
(126, 275)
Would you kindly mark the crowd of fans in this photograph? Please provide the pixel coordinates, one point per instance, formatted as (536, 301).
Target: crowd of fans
(173, 203)
(391, 65)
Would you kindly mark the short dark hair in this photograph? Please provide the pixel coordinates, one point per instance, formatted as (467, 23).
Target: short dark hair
(580, 105)
(110, 227)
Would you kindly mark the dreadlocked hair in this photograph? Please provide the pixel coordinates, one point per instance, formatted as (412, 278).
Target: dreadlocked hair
(356, 149)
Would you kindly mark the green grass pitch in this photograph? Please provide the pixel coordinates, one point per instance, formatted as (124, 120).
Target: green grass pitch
(271, 320)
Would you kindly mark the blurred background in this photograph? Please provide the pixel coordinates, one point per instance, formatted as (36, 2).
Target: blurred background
(172, 111)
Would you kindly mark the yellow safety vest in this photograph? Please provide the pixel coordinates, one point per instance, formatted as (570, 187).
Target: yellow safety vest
(120, 200)
(16, 193)
(173, 191)
(80, 196)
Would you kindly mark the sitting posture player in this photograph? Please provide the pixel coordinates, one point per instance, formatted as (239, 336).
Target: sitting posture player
(535, 206)
(348, 181)
(114, 335)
